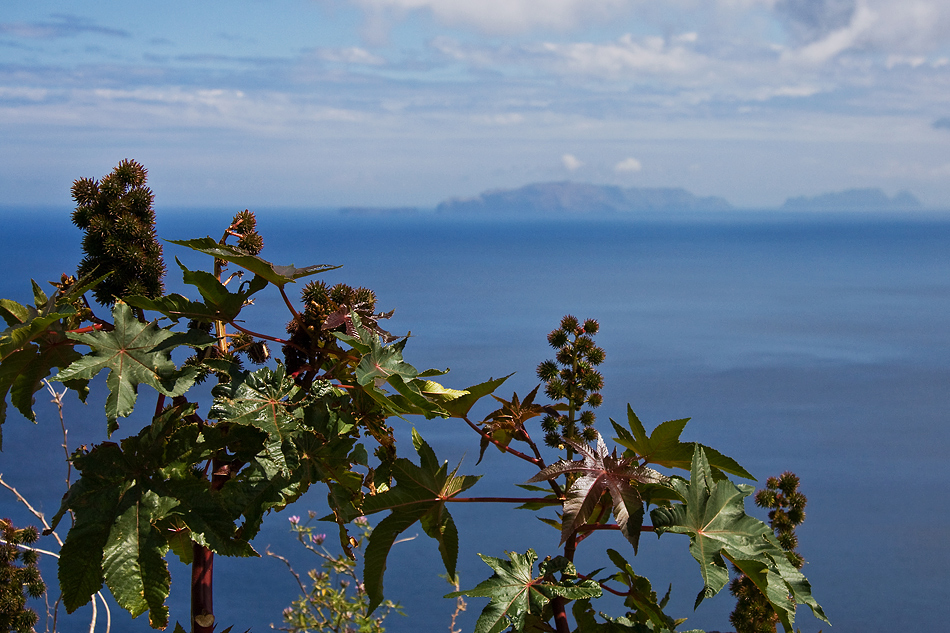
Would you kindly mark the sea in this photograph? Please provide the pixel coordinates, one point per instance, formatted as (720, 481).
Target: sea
(815, 343)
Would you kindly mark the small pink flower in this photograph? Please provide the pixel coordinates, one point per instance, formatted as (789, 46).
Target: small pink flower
(294, 520)
(361, 521)
(318, 539)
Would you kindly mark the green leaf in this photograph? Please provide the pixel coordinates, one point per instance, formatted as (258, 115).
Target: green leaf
(277, 275)
(640, 594)
(263, 400)
(32, 345)
(419, 495)
(516, 593)
(133, 563)
(714, 518)
(663, 446)
(128, 353)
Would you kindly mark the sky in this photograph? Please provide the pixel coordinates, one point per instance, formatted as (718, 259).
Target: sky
(321, 103)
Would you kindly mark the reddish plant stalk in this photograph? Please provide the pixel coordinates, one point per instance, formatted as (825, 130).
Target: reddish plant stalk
(202, 567)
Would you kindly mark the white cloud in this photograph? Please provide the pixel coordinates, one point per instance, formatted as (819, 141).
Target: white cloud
(837, 41)
(571, 162)
(503, 16)
(651, 55)
(628, 165)
(351, 55)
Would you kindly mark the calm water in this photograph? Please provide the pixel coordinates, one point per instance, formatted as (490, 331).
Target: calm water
(819, 345)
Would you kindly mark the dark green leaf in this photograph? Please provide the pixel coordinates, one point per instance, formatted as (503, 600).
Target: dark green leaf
(133, 563)
(277, 275)
(419, 495)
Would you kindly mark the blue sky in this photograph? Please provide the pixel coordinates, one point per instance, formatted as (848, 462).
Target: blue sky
(407, 102)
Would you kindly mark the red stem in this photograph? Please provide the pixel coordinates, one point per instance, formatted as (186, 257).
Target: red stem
(202, 567)
(553, 502)
(92, 328)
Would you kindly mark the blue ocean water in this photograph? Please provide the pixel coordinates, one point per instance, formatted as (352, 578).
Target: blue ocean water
(817, 344)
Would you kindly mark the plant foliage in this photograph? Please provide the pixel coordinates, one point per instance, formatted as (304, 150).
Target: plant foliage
(198, 485)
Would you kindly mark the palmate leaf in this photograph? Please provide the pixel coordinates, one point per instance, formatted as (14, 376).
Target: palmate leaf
(277, 275)
(602, 472)
(128, 352)
(132, 501)
(219, 303)
(516, 593)
(664, 448)
(640, 595)
(381, 365)
(32, 345)
(133, 563)
(719, 529)
(263, 400)
(419, 495)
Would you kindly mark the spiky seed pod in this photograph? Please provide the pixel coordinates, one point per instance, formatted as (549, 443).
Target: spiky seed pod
(595, 400)
(18, 573)
(547, 370)
(549, 424)
(258, 353)
(583, 345)
(596, 356)
(557, 339)
(591, 326)
(365, 296)
(244, 226)
(753, 613)
(555, 389)
(587, 418)
(569, 323)
(116, 214)
(240, 341)
(565, 355)
(204, 326)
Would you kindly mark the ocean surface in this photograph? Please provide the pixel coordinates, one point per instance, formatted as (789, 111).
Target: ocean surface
(813, 343)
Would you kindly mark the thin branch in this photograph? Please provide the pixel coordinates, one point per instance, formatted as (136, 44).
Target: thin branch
(92, 621)
(33, 511)
(30, 548)
(105, 605)
(303, 590)
(590, 527)
(290, 306)
(58, 401)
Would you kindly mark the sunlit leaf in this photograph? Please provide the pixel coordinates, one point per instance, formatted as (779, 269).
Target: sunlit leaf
(714, 518)
(127, 352)
(516, 593)
(664, 448)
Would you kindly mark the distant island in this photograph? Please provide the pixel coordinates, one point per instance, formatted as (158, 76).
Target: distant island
(854, 200)
(556, 198)
(572, 198)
